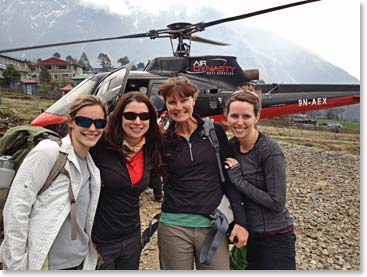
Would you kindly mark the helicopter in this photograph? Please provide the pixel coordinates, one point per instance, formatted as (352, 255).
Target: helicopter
(217, 78)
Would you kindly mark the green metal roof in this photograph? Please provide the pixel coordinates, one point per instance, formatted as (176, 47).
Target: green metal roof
(81, 76)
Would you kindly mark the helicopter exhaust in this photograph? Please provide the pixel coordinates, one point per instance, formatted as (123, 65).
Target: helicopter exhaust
(251, 74)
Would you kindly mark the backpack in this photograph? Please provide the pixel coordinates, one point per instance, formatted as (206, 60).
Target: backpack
(223, 214)
(14, 147)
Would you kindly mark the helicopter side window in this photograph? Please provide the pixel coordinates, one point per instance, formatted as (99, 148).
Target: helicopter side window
(156, 100)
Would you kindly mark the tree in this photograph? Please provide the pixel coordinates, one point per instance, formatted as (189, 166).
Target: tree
(123, 61)
(11, 75)
(30, 65)
(104, 61)
(56, 55)
(84, 62)
(140, 66)
(70, 59)
(45, 76)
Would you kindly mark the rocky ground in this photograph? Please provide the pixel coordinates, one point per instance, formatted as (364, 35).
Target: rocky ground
(324, 200)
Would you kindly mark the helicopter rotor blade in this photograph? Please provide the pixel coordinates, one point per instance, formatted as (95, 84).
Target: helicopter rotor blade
(242, 16)
(152, 34)
(209, 41)
(182, 30)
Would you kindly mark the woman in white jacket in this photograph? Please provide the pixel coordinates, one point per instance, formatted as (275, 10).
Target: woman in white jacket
(38, 228)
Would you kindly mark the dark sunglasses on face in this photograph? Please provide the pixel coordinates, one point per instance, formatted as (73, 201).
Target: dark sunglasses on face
(132, 116)
(86, 122)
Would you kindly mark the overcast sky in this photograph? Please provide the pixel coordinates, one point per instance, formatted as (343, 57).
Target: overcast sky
(329, 28)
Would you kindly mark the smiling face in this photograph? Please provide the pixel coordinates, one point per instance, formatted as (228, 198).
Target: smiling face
(135, 129)
(180, 108)
(84, 138)
(241, 119)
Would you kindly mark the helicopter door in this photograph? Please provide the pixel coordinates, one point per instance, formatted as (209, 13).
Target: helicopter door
(113, 86)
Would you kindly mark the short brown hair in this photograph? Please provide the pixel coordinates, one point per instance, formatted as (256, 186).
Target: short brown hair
(180, 85)
(247, 93)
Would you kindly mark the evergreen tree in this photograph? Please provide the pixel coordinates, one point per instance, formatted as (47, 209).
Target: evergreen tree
(104, 61)
(11, 75)
(84, 62)
(45, 76)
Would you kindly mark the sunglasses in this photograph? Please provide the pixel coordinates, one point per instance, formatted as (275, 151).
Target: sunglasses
(132, 116)
(86, 122)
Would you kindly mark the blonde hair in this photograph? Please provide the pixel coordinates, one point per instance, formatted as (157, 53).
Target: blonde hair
(84, 101)
(247, 93)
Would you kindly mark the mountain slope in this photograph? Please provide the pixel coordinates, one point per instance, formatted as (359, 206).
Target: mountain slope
(38, 22)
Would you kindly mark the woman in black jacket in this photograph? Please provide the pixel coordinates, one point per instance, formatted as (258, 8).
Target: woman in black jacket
(257, 170)
(129, 151)
(193, 188)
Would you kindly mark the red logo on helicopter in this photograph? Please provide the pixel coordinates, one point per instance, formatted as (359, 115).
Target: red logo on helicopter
(201, 66)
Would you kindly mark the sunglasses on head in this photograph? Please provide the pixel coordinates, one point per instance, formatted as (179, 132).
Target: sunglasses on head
(132, 116)
(86, 122)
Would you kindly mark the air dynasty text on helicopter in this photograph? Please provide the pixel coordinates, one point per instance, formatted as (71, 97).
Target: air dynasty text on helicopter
(201, 67)
(312, 102)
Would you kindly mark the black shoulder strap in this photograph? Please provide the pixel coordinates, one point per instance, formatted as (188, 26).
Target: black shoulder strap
(212, 241)
(150, 230)
(209, 132)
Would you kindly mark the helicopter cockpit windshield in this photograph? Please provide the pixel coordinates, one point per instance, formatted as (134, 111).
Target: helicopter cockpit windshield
(113, 86)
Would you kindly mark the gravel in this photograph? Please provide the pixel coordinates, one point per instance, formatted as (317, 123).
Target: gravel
(323, 197)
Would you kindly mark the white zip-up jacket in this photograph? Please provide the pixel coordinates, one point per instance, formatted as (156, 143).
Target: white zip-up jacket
(31, 221)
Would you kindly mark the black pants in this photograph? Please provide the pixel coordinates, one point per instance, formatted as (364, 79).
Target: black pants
(123, 255)
(272, 253)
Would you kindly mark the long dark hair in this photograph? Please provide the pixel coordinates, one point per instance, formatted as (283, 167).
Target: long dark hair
(115, 135)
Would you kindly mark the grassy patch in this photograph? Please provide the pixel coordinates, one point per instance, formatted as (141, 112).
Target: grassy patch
(329, 141)
(346, 124)
(23, 109)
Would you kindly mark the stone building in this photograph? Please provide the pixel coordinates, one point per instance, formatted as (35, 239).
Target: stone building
(60, 70)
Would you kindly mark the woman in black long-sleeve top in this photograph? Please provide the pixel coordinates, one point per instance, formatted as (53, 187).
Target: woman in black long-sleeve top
(193, 188)
(257, 170)
(129, 150)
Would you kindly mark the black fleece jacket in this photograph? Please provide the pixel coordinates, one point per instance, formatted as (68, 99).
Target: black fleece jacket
(117, 215)
(261, 178)
(193, 184)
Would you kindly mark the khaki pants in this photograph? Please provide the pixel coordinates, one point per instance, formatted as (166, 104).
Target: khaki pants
(179, 248)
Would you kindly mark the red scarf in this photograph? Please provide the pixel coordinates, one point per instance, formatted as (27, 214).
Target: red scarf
(135, 167)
